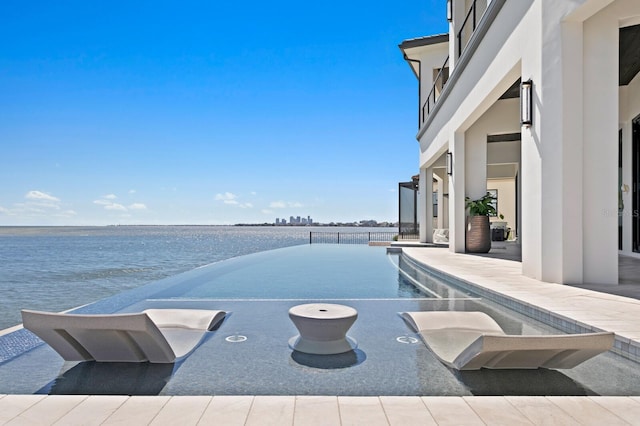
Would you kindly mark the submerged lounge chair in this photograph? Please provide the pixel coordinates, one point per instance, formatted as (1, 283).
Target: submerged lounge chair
(154, 335)
(473, 340)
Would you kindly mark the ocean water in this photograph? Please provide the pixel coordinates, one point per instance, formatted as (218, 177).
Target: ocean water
(59, 268)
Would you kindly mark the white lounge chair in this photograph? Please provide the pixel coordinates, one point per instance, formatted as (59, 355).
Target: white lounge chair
(154, 335)
(473, 340)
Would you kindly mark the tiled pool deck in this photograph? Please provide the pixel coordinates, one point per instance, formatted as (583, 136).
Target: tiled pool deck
(571, 308)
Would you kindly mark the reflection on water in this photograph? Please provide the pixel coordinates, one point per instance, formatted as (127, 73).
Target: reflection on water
(538, 382)
(330, 362)
(111, 378)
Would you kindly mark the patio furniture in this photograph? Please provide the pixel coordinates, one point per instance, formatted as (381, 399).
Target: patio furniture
(323, 328)
(473, 340)
(154, 335)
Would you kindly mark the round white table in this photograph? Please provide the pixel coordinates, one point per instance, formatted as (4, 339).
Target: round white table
(323, 328)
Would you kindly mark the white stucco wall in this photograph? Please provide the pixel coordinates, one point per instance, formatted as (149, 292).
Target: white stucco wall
(568, 172)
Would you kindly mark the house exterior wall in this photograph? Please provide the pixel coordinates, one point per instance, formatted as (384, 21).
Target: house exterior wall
(568, 173)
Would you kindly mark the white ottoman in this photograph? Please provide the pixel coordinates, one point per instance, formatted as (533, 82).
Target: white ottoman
(323, 328)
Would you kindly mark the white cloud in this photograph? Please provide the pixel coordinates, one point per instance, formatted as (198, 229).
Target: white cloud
(284, 205)
(253, 193)
(37, 204)
(115, 206)
(41, 196)
(132, 191)
(227, 196)
(67, 213)
(230, 199)
(106, 201)
(267, 211)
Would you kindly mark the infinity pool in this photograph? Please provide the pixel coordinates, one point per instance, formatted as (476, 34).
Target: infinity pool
(258, 290)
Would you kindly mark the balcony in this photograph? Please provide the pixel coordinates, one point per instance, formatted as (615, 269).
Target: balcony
(464, 37)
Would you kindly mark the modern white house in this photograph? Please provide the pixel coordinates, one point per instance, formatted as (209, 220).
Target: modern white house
(539, 101)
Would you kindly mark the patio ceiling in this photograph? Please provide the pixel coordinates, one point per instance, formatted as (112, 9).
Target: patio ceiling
(629, 54)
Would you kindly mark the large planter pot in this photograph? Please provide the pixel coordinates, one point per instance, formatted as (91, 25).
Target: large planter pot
(478, 238)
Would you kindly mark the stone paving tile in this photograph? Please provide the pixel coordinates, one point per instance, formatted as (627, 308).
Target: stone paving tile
(184, 410)
(137, 410)
(13, 405)
(271, 410)
(300, 411)
(316, 411)
(94, 410)
(496, 410)
(47, 410)
(586, 411)
(625, 408)
(451, 410)
(361, 410)
(228, 410)
(541, 411)
(406, 411)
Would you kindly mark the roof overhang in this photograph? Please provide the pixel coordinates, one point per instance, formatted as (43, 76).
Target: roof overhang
(411, 48)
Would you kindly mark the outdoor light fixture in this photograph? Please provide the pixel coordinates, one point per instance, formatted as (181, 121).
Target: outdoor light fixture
(449, 10)
(449, 163)
(526, 103)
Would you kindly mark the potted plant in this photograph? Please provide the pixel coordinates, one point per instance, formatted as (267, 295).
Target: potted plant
(478, 236)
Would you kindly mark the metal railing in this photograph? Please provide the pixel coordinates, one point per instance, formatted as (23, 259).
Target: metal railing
(467, 29)
(434, 94)
(464, 32)
(358, 237)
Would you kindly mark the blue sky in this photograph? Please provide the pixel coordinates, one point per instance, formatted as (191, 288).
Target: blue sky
(203, 112)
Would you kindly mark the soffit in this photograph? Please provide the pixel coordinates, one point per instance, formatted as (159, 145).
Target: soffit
(629, 54)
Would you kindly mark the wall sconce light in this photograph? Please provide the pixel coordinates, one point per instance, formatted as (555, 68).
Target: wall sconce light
(624, 188)
(449, 163)
(526, 103)
(450, 10)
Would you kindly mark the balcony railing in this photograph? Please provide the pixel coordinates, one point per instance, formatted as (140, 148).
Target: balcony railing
(434, 94)
(468, 27)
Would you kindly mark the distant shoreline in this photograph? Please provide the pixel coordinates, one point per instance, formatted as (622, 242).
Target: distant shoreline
(319, 225)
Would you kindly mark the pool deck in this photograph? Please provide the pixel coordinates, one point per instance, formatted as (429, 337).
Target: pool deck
(574, 307)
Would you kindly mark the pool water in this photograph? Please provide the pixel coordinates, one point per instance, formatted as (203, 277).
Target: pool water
(259, 289)
(317, 272)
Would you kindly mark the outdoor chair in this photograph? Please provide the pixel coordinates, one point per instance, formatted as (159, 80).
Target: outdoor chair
(154, 335)
(473, 340)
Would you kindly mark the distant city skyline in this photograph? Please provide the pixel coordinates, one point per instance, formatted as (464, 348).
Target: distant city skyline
(206, 112)
(295, 220)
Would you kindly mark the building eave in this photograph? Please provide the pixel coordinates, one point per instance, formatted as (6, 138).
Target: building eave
(407, 46)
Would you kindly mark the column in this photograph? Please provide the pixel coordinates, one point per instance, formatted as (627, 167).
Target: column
(457, 210)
